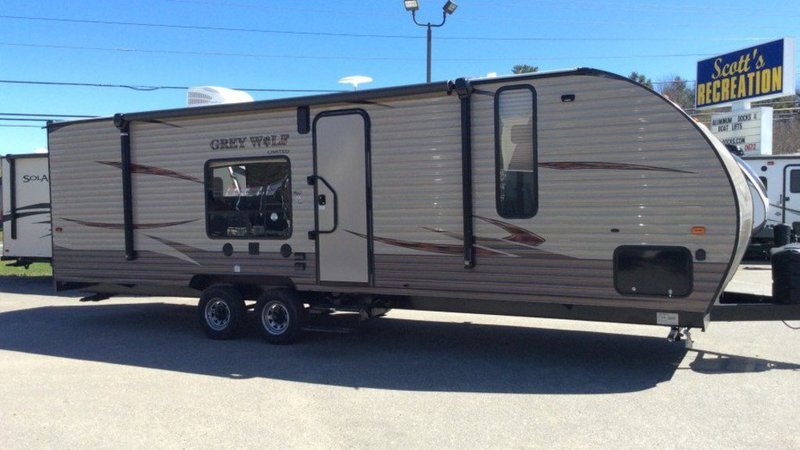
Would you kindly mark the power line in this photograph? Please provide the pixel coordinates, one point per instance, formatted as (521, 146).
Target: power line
(349, 35)
(44, 115)
(16, 119)
(209, 28)
(511, 8)
(285, 8)
(154, 88)
(150, 88)
(206, 53)
(333, 57)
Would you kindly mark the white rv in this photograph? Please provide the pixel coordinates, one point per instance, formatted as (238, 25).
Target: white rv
(26, 209)
(573, 194)
(780, 174)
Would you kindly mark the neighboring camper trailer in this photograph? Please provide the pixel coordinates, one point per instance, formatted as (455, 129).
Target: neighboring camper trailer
(780, 174)
(574, 194)
(26, 209)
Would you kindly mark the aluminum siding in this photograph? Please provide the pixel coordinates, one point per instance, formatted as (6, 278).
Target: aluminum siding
(416, 177)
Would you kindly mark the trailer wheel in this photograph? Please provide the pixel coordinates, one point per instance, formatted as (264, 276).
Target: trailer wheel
(281, 315)
(222, 312)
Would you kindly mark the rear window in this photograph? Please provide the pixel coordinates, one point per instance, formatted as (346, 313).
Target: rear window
(515, 152)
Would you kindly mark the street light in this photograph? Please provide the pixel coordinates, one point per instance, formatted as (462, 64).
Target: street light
(411, 5)
(447, 9)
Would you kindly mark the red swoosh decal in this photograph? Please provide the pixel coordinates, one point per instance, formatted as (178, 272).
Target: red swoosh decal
(518, 234)
(596, 165)
(151, 170)
(448, 249)
(120, 226)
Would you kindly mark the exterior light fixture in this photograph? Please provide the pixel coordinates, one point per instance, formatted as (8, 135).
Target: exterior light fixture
(447, 9)
(411, 5)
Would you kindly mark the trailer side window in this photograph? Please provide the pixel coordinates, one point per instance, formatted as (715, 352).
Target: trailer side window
(653, 270)
(794, 181)
(248, 199)
(515, 152)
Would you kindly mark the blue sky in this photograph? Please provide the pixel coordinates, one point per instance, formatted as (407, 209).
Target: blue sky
(174, 45)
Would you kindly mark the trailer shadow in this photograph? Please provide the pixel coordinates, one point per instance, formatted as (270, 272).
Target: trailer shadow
(708, 362)
(386, 353)
(33, 285)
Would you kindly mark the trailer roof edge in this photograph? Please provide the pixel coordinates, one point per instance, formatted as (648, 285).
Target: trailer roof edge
(321, 99)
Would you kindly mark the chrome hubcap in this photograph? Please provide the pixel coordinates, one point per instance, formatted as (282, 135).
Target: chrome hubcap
(218, 315)
(275, 318)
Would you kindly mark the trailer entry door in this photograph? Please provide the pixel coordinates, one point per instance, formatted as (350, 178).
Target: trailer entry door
(342, 196)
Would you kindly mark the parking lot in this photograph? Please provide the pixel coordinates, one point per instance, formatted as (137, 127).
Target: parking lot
(138, 372)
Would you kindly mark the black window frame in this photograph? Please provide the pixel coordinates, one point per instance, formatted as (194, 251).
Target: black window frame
(208, 177)
(687, 254)
(498, 149)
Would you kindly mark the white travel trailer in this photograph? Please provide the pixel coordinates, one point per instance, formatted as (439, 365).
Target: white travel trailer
(26, 209)
(780, 174)
(573, 194)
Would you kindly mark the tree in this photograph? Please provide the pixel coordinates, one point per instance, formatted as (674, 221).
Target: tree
(524, 68)
(791, 101)
(641, 79)
(786, 136)
(678, 90)
(786, 124)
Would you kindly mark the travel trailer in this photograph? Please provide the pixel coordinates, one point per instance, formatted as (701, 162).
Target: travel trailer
(26, 209)
(780, 174)
(574, 194)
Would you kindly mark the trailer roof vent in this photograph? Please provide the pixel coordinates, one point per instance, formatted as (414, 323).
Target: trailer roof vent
(213, 95)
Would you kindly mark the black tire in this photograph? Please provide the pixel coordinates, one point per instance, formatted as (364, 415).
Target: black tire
(280, 315)
(222, 312)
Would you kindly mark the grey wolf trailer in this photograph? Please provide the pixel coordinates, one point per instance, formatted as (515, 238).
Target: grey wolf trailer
(574, 194)
(26, 209)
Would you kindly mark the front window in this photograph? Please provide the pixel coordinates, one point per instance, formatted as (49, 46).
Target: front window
(249, 199)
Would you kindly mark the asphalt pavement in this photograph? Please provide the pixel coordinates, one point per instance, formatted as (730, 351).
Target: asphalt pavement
(139, 373)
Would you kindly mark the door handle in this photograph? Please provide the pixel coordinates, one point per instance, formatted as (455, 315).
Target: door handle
(321, 201)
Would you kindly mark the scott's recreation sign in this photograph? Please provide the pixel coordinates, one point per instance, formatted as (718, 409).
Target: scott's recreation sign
(759, 72)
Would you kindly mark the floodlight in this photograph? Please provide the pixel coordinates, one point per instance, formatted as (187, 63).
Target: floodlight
(411, 5)
(449, 7)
